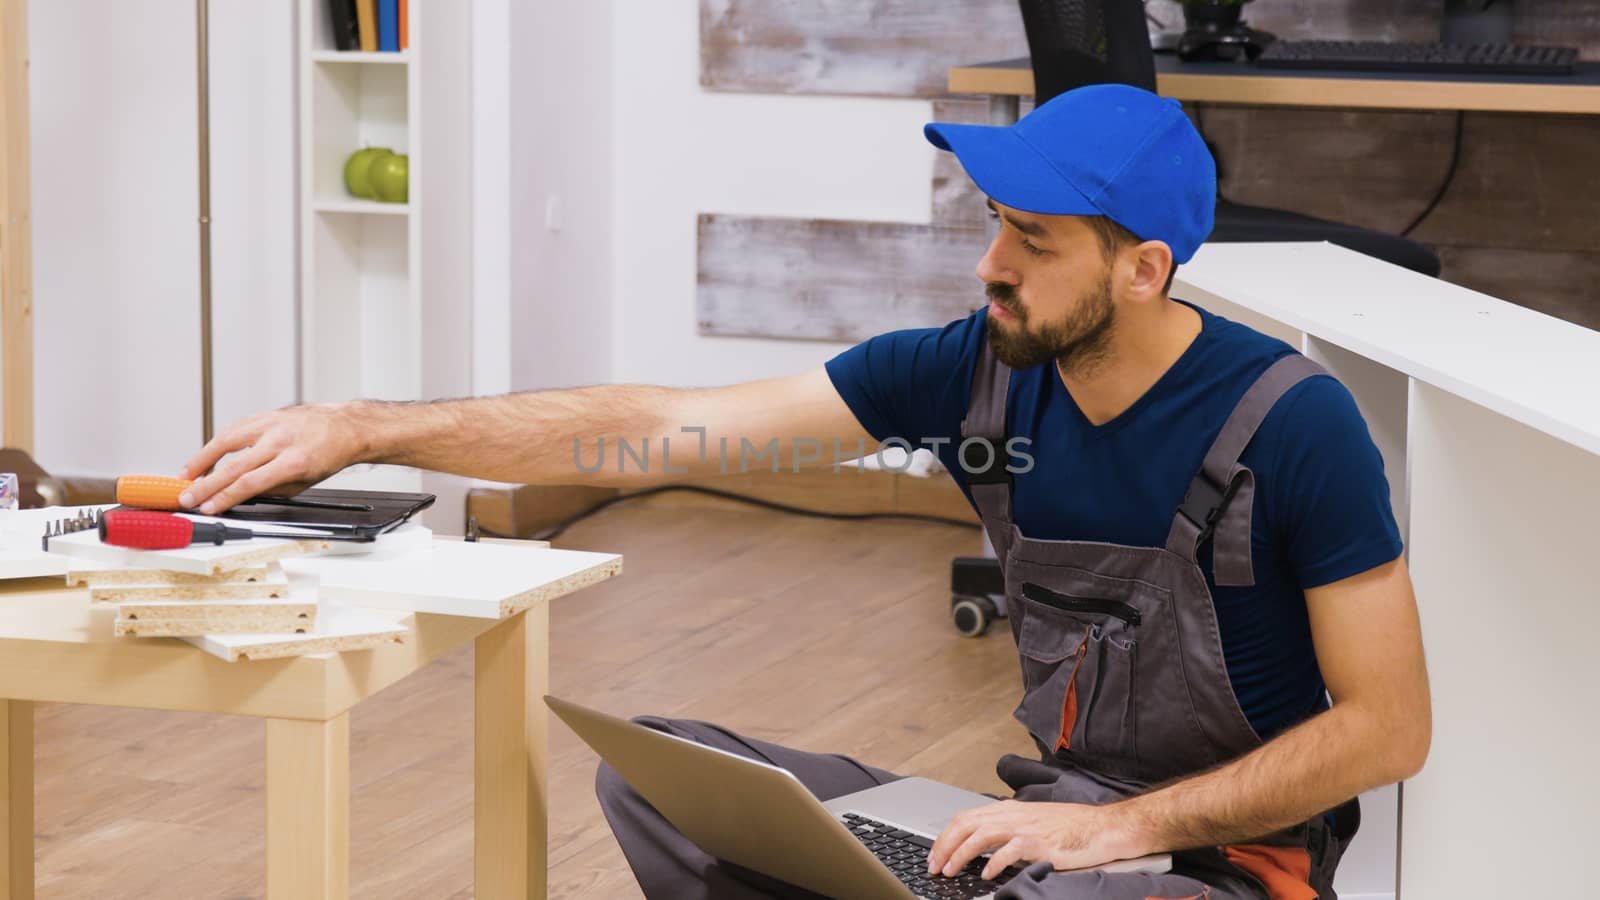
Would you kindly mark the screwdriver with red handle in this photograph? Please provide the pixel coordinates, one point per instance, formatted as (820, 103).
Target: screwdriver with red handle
(144, 529)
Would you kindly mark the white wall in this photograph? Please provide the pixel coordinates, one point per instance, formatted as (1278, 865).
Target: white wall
(560, 185)
(629, 148)
(116, 235)
(679, 150)
(253, 244)
(491, 198)
(115, 201)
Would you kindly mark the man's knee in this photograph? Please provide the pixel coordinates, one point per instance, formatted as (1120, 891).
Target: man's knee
(608, 785)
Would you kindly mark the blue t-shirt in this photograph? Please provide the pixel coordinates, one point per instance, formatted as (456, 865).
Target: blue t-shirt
(1322, 510)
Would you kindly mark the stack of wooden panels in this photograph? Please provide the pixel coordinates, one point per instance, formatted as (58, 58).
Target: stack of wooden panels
(163, 603)
(268, 598)
(235, 600)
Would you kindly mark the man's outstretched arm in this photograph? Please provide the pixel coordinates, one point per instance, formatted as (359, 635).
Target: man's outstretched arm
(538, 437)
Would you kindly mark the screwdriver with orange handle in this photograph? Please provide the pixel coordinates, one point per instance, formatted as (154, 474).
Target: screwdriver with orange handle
(161, 492)
(148, 529)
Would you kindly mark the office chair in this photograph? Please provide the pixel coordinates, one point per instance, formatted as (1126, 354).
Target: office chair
(1072, 43)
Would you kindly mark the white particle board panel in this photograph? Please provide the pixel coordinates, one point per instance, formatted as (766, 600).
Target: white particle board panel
(292, 609)
(22, 555)
(237, 618)
(77, 576)
(19, 562)
(213, 559)
(1527, 366)
(272, 584)
(1502, 543)
(200, 559)
(458, 578)
(409, 537)
(337, 629)
(224, 615)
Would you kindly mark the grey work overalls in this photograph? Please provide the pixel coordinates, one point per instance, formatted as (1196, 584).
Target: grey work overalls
(1123, 677)
(1124, 683)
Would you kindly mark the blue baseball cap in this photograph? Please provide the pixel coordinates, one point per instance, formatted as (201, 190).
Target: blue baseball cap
(1103, 150)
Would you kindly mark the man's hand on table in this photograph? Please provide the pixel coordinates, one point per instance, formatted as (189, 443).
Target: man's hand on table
(1068, 835)
(297, 446)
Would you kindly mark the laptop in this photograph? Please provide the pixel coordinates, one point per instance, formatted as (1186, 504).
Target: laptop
(869, 845)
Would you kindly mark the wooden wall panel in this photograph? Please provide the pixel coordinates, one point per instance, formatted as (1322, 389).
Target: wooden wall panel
(901, 48)
(1517, 221)
(1558, 283)
(956, 200)
(892, 48)
(1375, 169)
(1519, 183)
(1361, 19)
(1567, 22)
(834, 281)
(1523, 181)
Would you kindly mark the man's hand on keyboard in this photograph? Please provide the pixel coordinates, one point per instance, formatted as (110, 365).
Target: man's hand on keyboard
(1069, 835)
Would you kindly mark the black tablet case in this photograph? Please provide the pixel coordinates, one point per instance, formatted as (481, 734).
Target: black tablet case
(389, 509)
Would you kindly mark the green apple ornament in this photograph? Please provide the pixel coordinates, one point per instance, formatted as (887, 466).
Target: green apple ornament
(390, 175)
(357, 169)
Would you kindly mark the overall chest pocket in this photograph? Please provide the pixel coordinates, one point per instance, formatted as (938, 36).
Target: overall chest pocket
(1079, 640)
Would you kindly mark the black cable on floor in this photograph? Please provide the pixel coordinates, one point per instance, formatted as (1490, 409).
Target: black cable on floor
(555, 531)
(1449, 176)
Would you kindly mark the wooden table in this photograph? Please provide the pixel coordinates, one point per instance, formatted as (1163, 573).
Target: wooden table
(1219, 82)
(54, 648)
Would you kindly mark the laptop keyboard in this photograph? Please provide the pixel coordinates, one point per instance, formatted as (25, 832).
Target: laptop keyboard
(906, 855)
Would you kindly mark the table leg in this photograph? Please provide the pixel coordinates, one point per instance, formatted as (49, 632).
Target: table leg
(16, 790)
(308, 809)
(513, 674)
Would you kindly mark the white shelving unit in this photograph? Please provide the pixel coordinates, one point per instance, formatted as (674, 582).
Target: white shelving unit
(386, 288)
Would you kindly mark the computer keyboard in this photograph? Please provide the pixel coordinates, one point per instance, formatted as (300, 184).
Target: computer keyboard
(1384, 56)
(906, 855)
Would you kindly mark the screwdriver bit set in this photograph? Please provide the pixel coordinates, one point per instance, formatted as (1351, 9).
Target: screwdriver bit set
(86, 520)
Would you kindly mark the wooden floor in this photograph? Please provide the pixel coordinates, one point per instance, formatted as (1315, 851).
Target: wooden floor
(822, 634)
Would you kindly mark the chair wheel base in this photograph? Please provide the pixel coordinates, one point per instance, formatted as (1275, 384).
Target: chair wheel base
(972, 615)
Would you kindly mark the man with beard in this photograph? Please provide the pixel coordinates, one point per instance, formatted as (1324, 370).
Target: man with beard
(1216, 628)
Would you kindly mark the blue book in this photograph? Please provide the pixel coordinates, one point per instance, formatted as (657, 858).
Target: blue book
(389, 25)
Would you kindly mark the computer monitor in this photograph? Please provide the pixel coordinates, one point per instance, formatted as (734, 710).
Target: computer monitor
(1476, 22)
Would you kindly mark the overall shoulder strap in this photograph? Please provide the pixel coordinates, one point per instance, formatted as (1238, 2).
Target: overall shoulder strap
(982, 452)
(1222, 494)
